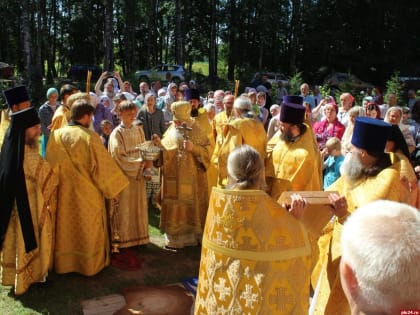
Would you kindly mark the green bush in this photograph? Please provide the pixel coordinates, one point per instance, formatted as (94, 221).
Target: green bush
(394, 85)
(295, 82)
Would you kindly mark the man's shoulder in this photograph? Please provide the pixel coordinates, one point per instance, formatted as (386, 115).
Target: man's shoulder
(220, 116)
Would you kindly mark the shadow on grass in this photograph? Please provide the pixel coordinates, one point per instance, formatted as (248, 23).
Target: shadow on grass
(62, 294)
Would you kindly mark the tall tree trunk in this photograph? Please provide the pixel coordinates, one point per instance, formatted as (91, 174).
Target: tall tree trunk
(179, 34)
(27, 44)
(53, 39)
(213, 44)
(109, 36)
(232, 51)
(154, 32)
(294, 34)
(38, 69)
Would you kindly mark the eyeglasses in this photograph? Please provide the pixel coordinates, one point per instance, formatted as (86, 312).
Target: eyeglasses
(371, 108)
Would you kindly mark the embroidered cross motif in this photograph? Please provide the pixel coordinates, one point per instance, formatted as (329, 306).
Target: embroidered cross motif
(222, 289)
(249, 297)
(281, 299)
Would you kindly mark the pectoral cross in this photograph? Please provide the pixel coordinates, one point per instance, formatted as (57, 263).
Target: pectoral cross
(184, 129)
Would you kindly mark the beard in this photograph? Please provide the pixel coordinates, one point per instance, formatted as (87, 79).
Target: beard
(32, 143)
(194, 112)
(352, 167)
(286, 136)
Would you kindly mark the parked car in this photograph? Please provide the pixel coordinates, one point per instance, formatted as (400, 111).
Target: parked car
(6, 70)
(410, 82)
(178, 73)
(78, 72)
(346, 82)
(273, 77)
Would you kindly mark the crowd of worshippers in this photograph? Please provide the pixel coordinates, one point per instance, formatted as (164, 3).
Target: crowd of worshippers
(220, 170)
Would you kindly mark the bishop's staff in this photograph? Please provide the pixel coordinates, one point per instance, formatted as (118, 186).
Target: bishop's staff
(88, 78)
(236, 88)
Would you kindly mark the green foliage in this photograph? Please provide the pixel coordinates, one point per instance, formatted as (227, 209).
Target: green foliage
(394, 85)
(325, 90)
(295, 82)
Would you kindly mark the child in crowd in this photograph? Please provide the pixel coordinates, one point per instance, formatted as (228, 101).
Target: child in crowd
(333, 162)
(129, 220)
(106, 129)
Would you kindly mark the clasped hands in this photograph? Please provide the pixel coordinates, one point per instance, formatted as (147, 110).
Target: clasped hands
(187, 144)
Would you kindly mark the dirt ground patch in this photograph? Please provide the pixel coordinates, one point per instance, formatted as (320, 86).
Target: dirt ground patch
(62, 294)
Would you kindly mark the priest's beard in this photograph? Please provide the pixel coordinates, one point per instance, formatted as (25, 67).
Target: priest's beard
(287, 136)
(194, 112)
(352, 167)
(32, 143)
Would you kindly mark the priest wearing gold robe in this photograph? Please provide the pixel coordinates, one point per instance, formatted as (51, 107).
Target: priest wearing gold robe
(244, 128)
(367, 174)
(88, 175)
(184, 196)
(256, 256)
(62, 115)
(293, 159)
(200, 116)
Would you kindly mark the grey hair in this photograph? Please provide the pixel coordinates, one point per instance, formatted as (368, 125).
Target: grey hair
(245, 168)
(244, 107)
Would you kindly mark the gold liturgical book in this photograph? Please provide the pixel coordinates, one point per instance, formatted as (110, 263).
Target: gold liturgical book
(318, 212)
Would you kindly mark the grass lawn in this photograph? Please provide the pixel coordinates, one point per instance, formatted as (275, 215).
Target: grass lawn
(62, 294)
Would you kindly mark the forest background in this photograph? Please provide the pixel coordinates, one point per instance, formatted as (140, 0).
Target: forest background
(233, 39)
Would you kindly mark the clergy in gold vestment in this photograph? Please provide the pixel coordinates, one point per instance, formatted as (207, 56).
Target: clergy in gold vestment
(255, 255)
(20, 265)
(131, 223)
(87, 174)
(397, 146)
(219, 124)
(293, 160)
(62, 115)
(184, 197)
(200, 116)
(367, 175)
(410, 193)
(244, 129)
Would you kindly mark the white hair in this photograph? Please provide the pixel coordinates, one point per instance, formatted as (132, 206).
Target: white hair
(210, 107)
(274, 107)
(243, 103)
(381, 243)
